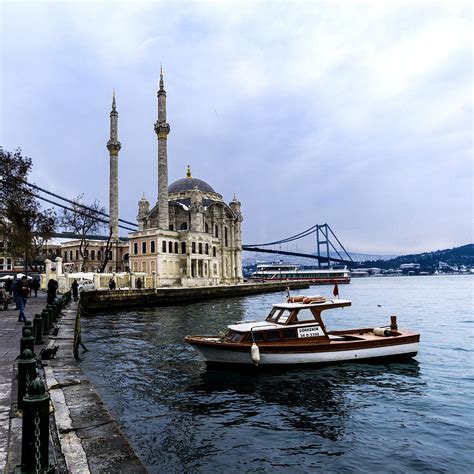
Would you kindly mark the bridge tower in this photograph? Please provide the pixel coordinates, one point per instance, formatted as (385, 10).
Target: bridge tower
(113, 146)
(162, 129)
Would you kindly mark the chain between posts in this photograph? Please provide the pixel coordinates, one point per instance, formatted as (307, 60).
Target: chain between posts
(37, 444)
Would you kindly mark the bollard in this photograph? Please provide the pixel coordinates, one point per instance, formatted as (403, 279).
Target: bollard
(45, 316)
(35, 431)
(26, 373)
(50, 310)
(27, 341)
(38, 329)
(26, 325)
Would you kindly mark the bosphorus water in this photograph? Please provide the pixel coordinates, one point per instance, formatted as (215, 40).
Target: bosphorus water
(414, 416)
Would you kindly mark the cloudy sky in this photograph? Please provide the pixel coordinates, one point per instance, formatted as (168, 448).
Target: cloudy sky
(358, 114)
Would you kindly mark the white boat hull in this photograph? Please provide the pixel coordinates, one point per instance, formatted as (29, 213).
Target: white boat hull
(221, 355)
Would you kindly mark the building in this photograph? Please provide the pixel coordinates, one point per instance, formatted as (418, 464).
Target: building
(94, 256)
(190, 237)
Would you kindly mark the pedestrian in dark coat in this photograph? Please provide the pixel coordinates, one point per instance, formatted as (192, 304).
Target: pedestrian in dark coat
(21, 293)
(112, 284)
(139, 283)
(52, 288)
(35, 286)
(75, 290)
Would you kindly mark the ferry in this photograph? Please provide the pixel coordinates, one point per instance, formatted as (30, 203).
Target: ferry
(294, 333)
(314, 276)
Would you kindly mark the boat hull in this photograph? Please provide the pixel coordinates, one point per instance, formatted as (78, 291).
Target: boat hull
(213, 354)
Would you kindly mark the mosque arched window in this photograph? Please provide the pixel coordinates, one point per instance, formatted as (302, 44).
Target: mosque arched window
(214, 251)
(216, 231)
(206, 227)
(170, 247)
(226, 240)
(163, 246)
(183, 226)
(176, 247)
(143, 247)
(152, 246)
(193, 247)
(171, 227)
(200, 248)
(183, 248)
(135, 248)
(207, 249)
(92, 254)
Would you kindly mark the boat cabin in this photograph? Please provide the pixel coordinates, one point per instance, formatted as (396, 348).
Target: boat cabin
(286, 321)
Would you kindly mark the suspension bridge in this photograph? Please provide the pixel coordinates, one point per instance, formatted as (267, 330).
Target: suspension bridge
(329, 249)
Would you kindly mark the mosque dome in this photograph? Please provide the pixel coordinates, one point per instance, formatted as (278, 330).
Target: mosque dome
(188, 184)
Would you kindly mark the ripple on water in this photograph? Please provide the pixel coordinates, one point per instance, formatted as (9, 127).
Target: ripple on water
(182, 417)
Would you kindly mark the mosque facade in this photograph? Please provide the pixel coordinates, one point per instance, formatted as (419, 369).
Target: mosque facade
(190, 236)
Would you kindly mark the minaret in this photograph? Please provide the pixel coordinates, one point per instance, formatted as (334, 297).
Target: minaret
(113, 146)
(162, 129)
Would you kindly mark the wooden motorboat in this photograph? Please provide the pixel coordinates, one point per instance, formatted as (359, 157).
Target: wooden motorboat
(294, 333)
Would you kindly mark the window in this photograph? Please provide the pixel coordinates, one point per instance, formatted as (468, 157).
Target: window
(92, 254)
(99, 254)
(207, 249)
(206, 228)
(193, 247)
(176, 247)
(77, 254)
(86, 253)
(163, 246)
(135, 248)
(109, 254)
(215, 269)
(171, 227)
(304, 316)
(183, 248)
(143, 247)
(273, 335)
(216, 231)
(170, 247)
(214, 251)
(152, 246)
(183, 226)
(272, 315)
(257, 336)
(226, 241)
(70, 255)
(65, 256)
(200, 248)
(288, 333)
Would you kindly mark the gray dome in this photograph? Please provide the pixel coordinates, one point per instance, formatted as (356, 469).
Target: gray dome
(188, 184)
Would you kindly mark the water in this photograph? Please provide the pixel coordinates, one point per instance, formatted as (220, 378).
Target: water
(179, 416)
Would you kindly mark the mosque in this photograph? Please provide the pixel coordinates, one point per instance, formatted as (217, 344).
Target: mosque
(190, 237)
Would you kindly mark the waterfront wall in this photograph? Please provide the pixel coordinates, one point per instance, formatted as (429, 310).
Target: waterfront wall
(118, 299)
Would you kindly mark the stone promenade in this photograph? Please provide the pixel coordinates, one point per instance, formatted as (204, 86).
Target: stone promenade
(84, 437)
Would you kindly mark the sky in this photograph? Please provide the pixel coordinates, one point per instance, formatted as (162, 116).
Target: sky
(358, 114)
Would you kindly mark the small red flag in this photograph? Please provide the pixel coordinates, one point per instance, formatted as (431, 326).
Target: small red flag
(335, 292)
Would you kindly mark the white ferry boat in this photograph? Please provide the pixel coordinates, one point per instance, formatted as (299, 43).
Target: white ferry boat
(314, 276)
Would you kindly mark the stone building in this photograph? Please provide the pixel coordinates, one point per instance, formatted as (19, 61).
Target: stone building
(190, 237)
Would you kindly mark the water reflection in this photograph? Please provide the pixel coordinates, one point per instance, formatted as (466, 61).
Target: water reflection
(177, 412)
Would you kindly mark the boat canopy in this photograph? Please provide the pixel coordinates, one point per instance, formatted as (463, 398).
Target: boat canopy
(335, 303)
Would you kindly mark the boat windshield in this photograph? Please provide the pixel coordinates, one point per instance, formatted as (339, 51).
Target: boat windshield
(279, 315)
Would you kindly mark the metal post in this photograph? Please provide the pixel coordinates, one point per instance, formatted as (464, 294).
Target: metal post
(38, 329)
(26, 373)
(35, 431)
(44, 317)
(27, 341)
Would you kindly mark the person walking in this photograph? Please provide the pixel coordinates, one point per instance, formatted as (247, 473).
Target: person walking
(112, 284)
(75, 290)
(52, 288)
(21, 293)
(35, 286)
(139, 283)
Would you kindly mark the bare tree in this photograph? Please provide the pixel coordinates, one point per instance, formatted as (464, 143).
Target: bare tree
(84, 221)
(23, 224)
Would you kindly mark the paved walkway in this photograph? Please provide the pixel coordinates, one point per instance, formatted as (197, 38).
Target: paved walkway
(10, 334)
(84, 437)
